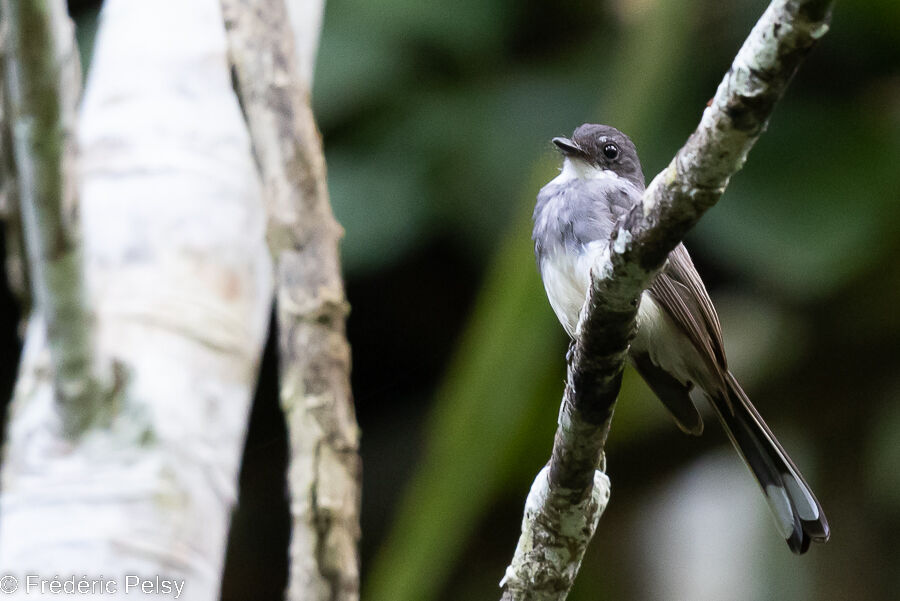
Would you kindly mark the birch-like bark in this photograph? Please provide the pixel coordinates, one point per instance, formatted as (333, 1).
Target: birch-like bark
(180, 280)
(324, 471)
(559, 520)
(305, 17)
(43, 84)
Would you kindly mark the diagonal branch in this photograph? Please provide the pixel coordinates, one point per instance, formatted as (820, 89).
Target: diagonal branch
(569, 495)
(324, 472)
(42, 79)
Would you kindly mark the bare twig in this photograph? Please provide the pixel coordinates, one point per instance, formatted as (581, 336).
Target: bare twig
(43, 80)
(324, 474)
(568, 497)
(16, 267)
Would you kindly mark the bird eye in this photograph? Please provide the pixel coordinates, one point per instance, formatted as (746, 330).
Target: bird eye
(611, 151)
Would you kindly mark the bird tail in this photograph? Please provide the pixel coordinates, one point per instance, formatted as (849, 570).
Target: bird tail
(797, 513)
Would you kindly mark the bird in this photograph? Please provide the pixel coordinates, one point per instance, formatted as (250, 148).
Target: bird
(677, 343)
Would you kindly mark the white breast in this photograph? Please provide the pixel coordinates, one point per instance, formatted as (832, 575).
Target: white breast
(566, 279)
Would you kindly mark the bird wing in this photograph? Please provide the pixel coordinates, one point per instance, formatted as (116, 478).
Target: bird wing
(680, 291)
(674, 395)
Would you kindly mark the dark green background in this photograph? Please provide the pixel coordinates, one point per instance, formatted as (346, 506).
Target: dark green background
(437, 118)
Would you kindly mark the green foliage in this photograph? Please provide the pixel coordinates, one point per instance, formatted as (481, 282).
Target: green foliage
(437, 118)
(480, 421)
(501, 374)
(815, 205)
(451, 116)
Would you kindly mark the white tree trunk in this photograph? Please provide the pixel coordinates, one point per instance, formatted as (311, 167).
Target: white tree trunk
(179, 277)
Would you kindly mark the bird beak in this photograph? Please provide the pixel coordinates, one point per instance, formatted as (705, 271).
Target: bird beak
(568, 147)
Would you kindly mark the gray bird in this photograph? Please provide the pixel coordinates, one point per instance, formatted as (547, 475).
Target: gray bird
(678, 343)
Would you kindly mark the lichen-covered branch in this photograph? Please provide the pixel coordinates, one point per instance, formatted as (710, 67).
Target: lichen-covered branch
(671, 205)
(16, 268)
(42, 78)
(324, 472)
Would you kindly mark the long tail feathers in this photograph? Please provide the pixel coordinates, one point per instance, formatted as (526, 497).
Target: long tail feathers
(797, 513)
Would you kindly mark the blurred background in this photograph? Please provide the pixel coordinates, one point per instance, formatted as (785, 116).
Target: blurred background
(437, 119)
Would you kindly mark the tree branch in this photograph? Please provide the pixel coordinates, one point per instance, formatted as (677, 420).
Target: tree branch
(16, 268)
(324, 472)
(570, 494)
(43, 77)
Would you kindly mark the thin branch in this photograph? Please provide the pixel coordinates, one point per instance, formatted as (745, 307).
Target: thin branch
(559, 522)
(324, 472)
(16, 268)
(43, 78)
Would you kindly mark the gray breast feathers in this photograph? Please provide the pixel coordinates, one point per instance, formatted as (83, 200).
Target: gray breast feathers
(572, 213)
